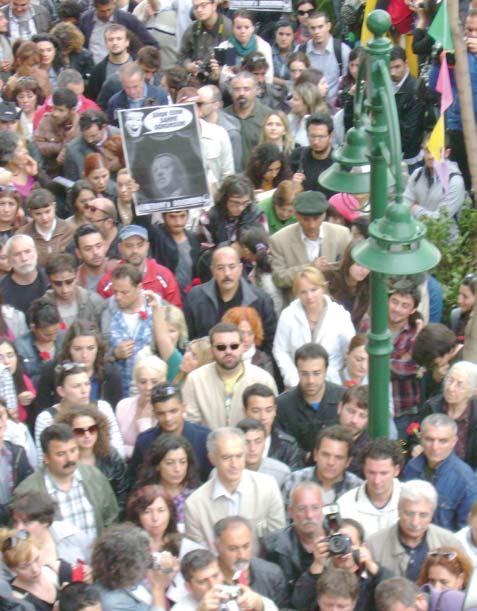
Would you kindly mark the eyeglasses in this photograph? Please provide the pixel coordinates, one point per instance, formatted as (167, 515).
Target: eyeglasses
(14, 540)
(223, 347)
(303, 13)
(201, 5)
(68, 366)
(447, 555)
(79, 432)
(67, 282)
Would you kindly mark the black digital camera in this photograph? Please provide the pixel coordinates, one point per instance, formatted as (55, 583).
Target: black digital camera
(338, 544)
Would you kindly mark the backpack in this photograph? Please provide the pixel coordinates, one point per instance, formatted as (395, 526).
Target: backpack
(336, 50)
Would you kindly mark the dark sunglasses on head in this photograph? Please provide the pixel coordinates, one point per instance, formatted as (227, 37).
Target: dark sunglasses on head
(93, 208)
(79, 432)
(14, 540)
(162, 392)
(68, 282)
(223, 347)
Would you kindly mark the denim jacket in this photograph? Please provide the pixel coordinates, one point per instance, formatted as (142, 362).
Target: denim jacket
(456, 486)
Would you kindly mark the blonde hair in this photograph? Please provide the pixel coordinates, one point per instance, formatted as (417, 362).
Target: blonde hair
(175, 317)
(149, 362)
(314, 277)
(288, 139)
(204, 356)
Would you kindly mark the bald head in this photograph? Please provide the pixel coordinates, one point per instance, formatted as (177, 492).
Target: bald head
(209, 101)
(102, 213)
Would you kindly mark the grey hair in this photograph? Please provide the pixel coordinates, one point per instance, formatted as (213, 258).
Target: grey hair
(470, 369)
(130, 69)
(416, 490)
(224, 431)
(121, 556)
(305, 485)
(439, 421)
(15, 238)
(396, 590)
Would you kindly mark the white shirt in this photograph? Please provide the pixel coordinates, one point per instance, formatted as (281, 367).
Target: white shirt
(312, 247)
(47, 235)
(233, 498)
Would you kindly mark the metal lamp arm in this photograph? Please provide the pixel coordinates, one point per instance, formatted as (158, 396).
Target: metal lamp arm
(389, 104)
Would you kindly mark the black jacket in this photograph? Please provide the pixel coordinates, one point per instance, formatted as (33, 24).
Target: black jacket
(411, 113)
(110, 390)
(97, 79)
(285, 448)
(304, 594)
(437, 405)
(164, 248)
(282, 547)
(130, 22)
(298, 418)
(267, 579)
(21, 469)
(202, 310)
(196, 434)
(114, 469)
(82, 62)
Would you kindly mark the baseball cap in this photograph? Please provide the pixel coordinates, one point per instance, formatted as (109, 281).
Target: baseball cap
(133, 230)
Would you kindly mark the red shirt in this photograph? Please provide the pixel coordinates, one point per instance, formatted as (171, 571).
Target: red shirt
(157, 278)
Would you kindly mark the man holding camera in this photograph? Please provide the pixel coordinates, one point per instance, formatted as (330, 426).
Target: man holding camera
(234, 544)
(207, 591)
(200, 38)
(341, 548)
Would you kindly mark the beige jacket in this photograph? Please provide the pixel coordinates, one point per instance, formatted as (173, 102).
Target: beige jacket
(387, 551)
(204, 395)
(260, 503)
(289, 252)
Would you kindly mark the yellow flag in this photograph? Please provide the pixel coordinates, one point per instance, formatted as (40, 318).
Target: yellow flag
(436, 144)
(365, 33)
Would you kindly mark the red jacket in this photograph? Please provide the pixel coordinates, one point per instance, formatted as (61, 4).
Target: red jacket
(84, 104)
(157, 278)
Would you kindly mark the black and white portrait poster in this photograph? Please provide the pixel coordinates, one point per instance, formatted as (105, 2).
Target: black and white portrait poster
(163, 155)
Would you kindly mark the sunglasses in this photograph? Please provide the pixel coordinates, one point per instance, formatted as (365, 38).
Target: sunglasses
(303, 13)
(67, 282)
(447, 555)
(79, 432)
(14, 540)
(161, 393)
(223, 347)
(94, 208)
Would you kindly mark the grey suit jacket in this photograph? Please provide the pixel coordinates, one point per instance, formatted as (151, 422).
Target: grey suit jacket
(41, 17)
(289, 252)
(260, 503)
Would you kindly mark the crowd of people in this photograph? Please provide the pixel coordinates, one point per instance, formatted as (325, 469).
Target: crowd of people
(183, 395)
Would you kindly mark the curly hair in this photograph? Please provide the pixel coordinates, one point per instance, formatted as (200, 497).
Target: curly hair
(144, 496)
(233, 185)
(241, 313)
(67, 415)
(121, 556)
(28, 83)
(260, 160)
(158, 451)
(26, 51)
(115, 146)
(82, 328)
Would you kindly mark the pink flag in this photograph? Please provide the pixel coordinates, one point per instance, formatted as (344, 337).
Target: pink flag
(443, 85)
(441, 168)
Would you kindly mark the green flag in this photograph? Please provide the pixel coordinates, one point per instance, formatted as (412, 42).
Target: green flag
(440, 30)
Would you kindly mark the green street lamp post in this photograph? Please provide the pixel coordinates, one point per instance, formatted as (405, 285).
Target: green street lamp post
(370, 161)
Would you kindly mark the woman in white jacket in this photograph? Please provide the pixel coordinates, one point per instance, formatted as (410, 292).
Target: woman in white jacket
(312, 317)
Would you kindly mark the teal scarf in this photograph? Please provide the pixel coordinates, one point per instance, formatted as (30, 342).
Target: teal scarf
(241, 49)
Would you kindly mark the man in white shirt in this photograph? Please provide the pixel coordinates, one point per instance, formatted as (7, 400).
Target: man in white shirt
(232, 491)
(375, 503)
